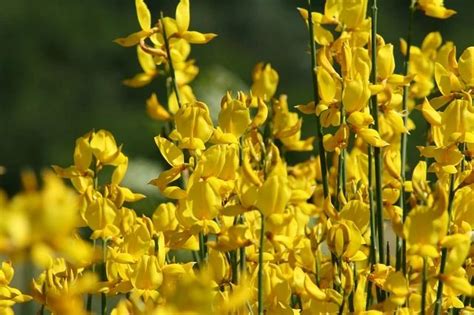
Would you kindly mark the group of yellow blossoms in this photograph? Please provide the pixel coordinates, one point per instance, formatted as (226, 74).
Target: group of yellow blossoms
(243, 231)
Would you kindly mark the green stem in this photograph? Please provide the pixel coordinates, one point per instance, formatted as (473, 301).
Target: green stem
(235, 267)
(373, 231)
(202, 248)
(89, 295)
(377, 151)
(424, 285)
(242, 261)
(404, 141)
(104, 277)
(318, 266)
(444, 252)
(319, 131)
(170, 61)
(341, 178)
(260, 265)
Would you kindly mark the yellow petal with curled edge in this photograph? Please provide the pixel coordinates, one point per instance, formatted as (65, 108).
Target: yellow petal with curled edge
(146, 61)
(139, 80)
(265, 81)
(172, 154)
(167, 177)
(372, 137)
(182, 16)
(262, 114)
(358, 212)
(132, 39)
(360, 119)
(385, 61)
(155, 110)
(194, 37)
(431, 42)
(355, 95)
(326, 85)
(460, 284)
(397, 284)
(430, 114)
(360, 295)
(249, 172)
(104, 147)
(147, 273)
(395, 120)
(273, 195)
(143, 15)
(458, 245)
(447, 82)
(82, 154)
(322, 36)
(313, 290)
(436, 10)
(308, 109)
(174, 192)
(466, 66)
(119, 172)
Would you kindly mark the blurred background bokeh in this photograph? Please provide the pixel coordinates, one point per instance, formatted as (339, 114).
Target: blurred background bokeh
(60, 72)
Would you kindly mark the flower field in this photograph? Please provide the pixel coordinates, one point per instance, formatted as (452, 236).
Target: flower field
(356, 228)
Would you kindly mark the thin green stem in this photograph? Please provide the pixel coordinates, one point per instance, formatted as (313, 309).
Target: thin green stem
(260, 265)
(104, 277)
(373, 230)
(319, 131)
(377, 150)
(89, 295)
(424, 285)
(318, 266)
(235, 267)
(404, 140)
(341, 176)
(444, 252)
(170, 61)
(202, 248)
(242, 261)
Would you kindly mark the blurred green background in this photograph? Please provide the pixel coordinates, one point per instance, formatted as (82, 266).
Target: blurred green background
(60, 72)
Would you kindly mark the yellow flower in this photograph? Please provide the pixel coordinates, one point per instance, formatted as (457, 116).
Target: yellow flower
(9, 296)
(435, 8)
(423, 229)
(193, 126)
(287, 127)
(344, 239)
(144, 19)
(273, 195)
(234, 117)
(265, 81)
(147, 277)
(397, 285)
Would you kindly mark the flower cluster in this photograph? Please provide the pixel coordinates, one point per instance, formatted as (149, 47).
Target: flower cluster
(245, 231)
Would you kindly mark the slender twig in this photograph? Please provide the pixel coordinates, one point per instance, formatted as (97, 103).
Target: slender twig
(373, 230)
(319, 131)
(242, 261)
(202, 249)
(341, 176)
(373, 233)
(401, 259)
(103, 302)
(89, 295)
(260, 265)
(170, 61)
(444, 252)
(377, 150)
